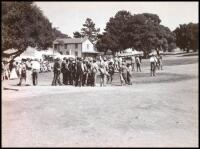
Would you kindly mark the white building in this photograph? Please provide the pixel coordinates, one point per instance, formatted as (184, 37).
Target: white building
(80, 47)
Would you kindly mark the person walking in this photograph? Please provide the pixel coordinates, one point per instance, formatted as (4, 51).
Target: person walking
(22, 73)
(138, 63)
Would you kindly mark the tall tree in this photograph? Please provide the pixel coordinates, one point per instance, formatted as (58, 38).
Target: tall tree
(90, 30)
(187, 36)
(142, 32)
(116, 30)
(106, 42)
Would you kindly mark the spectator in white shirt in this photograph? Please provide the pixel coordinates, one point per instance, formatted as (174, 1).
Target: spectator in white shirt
(153, 62)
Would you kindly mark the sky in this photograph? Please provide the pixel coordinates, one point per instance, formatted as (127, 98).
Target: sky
(69, 17)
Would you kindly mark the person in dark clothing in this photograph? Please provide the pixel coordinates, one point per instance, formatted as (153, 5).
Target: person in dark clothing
(57, 72)
(35, 77)
(23, 73)
(64, 71)
(73, 73)
(111, 71)
(67, 72)
(138, 63)
(90, 75)
(129, 76)
(79, 72)
(70, 68)
(85, 73)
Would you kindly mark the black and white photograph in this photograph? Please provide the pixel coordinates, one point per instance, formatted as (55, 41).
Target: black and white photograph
(99, 74)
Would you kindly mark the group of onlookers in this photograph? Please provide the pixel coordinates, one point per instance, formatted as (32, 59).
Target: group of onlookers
(85, 71)
(26, 70)
(79, 71)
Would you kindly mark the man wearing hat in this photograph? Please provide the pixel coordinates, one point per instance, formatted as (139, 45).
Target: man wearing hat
(79, 72)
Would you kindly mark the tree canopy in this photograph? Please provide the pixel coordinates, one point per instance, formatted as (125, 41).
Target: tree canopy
(23, 25)
(142, 32)
(187, 36)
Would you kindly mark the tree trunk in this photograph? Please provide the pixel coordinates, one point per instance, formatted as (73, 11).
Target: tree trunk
(145, 54)
(14, 55)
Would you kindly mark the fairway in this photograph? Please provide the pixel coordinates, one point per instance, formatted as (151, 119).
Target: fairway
(159, 111)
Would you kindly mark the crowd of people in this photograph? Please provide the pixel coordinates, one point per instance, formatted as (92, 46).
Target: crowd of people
(79, 71)
(84, 71)
(25, 70)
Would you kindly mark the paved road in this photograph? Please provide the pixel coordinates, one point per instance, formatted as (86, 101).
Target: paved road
(159, 114)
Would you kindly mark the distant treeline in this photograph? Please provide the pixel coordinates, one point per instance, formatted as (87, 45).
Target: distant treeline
(24, 24)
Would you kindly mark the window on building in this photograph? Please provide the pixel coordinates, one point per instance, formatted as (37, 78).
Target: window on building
(65, 46)
(88, 46)
(76, 46)
(61, 53)
(76, 53)
(67, 52)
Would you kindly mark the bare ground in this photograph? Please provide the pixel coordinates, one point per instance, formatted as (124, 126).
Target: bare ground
(157, 111)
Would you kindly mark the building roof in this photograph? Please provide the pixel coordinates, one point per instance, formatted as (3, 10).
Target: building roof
(70, 40)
